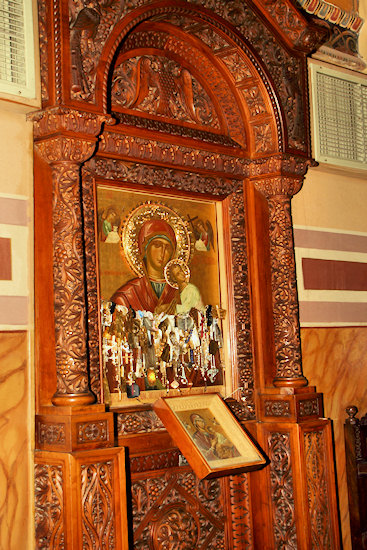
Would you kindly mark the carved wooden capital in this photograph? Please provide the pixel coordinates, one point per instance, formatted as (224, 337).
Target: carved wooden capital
(280, 174)
(65, 119)
(66, 135)
(65, 149)
(279, 186)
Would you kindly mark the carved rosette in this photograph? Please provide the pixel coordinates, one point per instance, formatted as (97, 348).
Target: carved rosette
(49, 509)
(92, 431)
(177, 528)
(308, 407)
(277, 408)
(278, 190)
(65, 154)
(51, 434)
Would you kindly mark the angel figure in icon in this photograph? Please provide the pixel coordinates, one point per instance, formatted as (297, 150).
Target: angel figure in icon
(204, 235)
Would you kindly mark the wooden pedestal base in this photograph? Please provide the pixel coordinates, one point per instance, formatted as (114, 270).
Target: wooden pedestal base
(294, 497)
(80, 500)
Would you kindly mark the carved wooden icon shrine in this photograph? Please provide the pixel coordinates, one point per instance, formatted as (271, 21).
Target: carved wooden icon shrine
(201, 99)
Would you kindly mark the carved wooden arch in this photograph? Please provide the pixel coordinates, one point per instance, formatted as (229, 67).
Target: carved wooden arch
(254, 93)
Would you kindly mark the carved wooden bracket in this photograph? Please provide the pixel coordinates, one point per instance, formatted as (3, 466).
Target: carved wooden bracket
(65, 139)
(279, 179)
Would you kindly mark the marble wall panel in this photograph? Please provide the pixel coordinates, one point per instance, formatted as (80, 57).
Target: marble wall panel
(335, 361)
(15, 443)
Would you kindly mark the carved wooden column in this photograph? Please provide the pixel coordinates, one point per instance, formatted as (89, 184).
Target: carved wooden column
(297, 497)
(279, 188)
(66, 138)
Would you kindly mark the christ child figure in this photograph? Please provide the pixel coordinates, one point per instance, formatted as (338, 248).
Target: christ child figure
(177, 275)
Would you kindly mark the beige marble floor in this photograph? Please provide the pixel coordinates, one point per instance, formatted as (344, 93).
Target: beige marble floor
(335, 361)
(15, 450)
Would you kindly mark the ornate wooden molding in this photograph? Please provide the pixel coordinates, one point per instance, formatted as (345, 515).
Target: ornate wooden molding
(229, 118)
(144, 174)
(277, 408)
(240, 512)
(60, 119)
(79, 431)
(157, 461)
(138, 422)
(149, 150)
(301, 405)
(279, 164)
(241, 299)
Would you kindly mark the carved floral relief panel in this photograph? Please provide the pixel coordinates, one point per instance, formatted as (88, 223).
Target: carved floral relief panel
(49, 506)
(175, 510)
(281, 477)
(159, 86)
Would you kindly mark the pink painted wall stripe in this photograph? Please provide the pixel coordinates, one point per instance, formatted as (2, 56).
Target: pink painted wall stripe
(334, 275)
(324, 240)
(13, 211)
(333, 312)
(14, 310)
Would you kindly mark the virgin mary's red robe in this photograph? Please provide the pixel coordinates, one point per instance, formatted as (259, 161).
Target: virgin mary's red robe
(139, 294)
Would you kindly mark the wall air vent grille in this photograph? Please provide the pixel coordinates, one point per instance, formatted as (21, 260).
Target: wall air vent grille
(339, 103)
(16, 48)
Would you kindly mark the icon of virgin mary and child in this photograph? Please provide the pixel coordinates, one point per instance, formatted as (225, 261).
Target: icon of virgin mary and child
(157, 244)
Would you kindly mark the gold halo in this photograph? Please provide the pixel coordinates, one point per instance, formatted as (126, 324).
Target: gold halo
(143, 213)
(167, 274)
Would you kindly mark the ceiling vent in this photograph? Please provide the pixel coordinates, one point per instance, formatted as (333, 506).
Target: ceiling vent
(339, 115)
(17, 75)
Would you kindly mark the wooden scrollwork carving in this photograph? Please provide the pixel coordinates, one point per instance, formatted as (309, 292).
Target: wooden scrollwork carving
(49, 507)
(281, 477)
